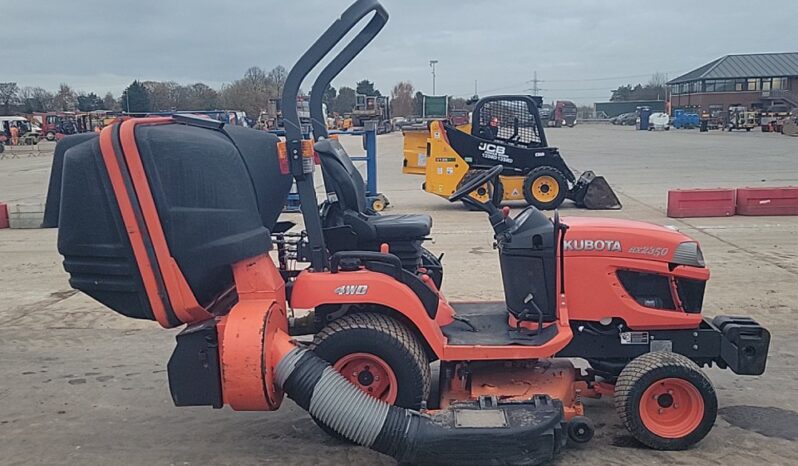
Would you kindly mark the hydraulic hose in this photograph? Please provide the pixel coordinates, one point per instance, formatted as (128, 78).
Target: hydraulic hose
(317, 388)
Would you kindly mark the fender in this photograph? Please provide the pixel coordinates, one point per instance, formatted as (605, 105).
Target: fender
(312, 289)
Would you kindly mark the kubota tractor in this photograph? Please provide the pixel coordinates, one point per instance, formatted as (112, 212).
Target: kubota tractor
(173, 219)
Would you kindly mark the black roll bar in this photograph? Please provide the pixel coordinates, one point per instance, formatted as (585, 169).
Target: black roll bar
(300, 169)
(344, 57)
(331, 37)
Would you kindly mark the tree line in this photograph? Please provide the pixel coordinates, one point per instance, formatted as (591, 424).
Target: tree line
(654, 89)
(256, 91)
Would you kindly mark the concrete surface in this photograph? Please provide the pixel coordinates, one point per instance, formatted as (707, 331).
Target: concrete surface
(82, 385)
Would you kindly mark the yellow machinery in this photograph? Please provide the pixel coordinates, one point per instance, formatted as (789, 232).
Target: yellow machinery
(507, 131)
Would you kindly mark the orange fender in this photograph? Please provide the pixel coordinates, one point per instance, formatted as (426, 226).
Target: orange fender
(312, 289)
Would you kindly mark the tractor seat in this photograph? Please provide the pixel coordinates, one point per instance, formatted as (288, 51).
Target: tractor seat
(392, 227)
(350, 225)
(342, 179)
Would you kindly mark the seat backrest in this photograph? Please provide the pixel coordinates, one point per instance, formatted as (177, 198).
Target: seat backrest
(341, 176)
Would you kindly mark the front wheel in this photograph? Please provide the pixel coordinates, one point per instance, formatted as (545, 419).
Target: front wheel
(545, 188)
(665, 401)
(50, 136)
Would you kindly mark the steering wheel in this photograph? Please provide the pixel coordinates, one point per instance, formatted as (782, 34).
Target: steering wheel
(476, 182)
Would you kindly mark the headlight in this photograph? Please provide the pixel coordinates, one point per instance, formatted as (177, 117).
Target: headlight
(688, 253)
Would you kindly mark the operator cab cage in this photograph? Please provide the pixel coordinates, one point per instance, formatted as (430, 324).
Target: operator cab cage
(509, 119)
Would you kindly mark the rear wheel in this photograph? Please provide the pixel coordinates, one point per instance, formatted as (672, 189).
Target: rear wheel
(492, 190)
(379, 355)
(545, 188)
(665, 401)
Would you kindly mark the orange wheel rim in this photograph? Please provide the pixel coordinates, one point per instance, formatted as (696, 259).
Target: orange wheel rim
(369, 373)
(672, 408)
(482, 194)
(545, 188)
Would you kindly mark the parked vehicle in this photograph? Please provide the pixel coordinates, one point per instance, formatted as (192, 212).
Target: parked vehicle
(372, 110)
(563, 114)
(741, 118)
(28, 133)
(625, 119)
(659, 121)
(685, 120)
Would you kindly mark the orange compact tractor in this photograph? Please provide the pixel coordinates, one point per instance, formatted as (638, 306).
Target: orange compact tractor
(175, 219)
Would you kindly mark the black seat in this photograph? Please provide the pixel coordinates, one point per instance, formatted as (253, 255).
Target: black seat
(392, 227)
(348, 222)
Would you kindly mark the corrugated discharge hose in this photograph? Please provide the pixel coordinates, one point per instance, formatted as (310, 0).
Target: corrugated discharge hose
(316, 387)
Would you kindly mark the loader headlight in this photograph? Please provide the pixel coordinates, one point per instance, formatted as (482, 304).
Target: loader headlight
(689, 253)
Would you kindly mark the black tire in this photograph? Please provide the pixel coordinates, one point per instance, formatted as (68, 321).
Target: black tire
(386, 338)
(558, 178)
(495, 190)
(647, 370)
(50, 136)
(433, 265)
(2, 147)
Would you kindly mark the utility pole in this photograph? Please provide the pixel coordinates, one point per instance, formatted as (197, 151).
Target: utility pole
(535, 81)
(432, 64)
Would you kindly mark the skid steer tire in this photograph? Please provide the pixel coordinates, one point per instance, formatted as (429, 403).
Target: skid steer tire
(366, 348)
(493, 190)
(665, 401)
(545, 188)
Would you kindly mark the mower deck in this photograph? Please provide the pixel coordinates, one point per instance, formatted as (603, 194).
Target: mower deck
(489, 327)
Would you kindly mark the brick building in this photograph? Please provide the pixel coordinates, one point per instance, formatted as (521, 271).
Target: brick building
(758, 81)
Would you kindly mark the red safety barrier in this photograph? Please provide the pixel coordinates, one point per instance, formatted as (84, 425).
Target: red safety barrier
(767, 201)
(3, 215)
(713, 202)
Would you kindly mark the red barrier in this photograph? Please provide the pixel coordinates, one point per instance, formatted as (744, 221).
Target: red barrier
(767, 201)
(713, 202)
(3, 215)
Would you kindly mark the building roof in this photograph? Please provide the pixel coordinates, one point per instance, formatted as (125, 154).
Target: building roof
(753, 65)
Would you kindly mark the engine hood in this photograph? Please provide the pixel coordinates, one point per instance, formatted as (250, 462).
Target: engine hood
(604, 237)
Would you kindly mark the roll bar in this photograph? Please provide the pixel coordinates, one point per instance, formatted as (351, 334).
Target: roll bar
(331, 37)
(298, 163)
(344, 57)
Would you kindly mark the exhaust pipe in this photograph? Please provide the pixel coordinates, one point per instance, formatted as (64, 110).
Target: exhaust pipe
(480, 432)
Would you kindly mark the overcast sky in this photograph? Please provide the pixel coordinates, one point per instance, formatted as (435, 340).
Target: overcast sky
(102, 45)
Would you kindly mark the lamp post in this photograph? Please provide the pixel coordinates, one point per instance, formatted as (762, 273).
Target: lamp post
(432, 64)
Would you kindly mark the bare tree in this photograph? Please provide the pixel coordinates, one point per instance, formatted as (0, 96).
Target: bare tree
(110, 103)
(277, 77)
(658, 79)
(402, 99)
(163, 95)
(65, 100)
(8, 96)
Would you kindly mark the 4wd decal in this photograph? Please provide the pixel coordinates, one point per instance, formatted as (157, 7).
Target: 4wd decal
(601, 245)
(350, 290)
(494, 152)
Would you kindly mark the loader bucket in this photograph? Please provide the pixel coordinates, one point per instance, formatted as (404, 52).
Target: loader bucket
(594, 193)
